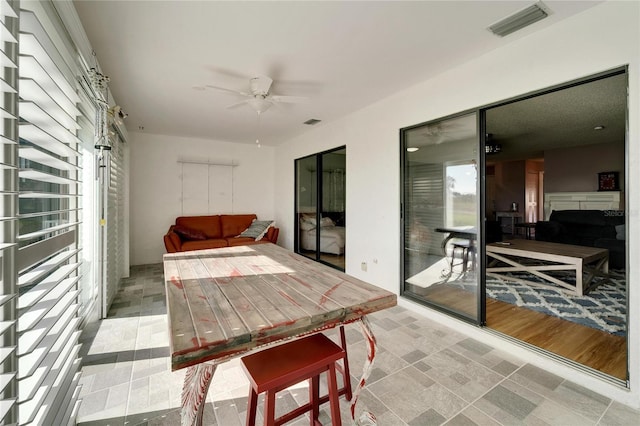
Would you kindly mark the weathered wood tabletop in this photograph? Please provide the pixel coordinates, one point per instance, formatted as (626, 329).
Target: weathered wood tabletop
(223, 302)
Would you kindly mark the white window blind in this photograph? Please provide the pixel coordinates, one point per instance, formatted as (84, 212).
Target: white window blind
(50, 204)
(9, 211)
(115, 207)
(206, 188)
(89, 283)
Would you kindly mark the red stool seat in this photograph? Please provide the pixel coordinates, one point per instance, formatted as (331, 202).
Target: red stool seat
(274, 369)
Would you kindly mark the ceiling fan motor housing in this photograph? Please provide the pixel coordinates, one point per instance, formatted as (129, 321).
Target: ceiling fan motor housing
(260, 86)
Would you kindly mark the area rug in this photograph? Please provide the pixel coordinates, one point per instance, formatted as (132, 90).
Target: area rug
(604, 308)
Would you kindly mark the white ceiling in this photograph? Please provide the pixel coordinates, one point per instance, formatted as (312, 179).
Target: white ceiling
(342, 56)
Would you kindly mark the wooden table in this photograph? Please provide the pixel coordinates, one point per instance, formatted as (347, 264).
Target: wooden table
(224, 302)
(517, 254)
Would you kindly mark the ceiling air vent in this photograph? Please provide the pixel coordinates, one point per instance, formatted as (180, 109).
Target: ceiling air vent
(312, 121)
(519, 20)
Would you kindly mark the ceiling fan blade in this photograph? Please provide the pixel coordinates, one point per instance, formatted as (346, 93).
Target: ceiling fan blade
(237, 104)
(288, 99)
(223, 89)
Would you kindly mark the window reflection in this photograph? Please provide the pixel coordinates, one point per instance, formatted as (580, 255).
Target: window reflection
(441, 214)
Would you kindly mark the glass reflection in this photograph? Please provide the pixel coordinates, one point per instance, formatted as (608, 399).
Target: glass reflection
(441, 214)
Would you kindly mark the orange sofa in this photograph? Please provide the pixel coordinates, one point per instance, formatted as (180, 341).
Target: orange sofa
(206, 232)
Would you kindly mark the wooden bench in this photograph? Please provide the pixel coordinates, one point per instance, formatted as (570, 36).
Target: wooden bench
(274, 369)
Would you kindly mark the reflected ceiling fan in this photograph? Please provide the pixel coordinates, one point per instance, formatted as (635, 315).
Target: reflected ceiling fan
(449, 130)
(259, 97)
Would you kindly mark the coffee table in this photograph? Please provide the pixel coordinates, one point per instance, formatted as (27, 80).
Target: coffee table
(540, 257)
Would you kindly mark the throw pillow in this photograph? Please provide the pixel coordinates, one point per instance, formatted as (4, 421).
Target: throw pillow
(188, 233)
(257, 229)
(309, 218)
(306, 226)
(326, 222)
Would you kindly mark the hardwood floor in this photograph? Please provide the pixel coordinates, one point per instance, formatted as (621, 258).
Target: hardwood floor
(594, 348)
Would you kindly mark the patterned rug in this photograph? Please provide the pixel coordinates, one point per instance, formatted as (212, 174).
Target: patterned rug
(604, 308)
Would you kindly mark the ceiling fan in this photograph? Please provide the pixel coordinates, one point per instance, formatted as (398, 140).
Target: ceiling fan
(259, 97)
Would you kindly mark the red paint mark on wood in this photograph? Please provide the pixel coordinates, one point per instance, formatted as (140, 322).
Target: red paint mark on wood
(176, 282)
(306, 284)
(372, 354)
(235, 273)
(199, 341)
(326, 294)
(286, 296)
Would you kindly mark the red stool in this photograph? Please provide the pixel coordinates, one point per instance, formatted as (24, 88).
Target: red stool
(274, 369)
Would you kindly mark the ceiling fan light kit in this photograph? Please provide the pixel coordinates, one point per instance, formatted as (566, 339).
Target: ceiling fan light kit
(259, 104)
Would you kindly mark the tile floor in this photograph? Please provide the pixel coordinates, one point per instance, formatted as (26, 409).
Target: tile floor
(424, 374)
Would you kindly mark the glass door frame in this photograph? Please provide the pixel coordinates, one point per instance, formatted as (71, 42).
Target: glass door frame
(319, 199)
(480, 318)
(482, 201)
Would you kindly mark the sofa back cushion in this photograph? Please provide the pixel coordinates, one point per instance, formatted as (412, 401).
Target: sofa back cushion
(588, 217)
(234, 224)
(210, 225)
(583, 227)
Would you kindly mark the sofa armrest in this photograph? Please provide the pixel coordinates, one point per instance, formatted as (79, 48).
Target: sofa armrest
(272, 234)
(172, 241)
(548, 231)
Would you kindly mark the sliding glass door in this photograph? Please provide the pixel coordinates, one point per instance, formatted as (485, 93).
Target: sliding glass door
(441, 214)
(514, 217)
(320, 207)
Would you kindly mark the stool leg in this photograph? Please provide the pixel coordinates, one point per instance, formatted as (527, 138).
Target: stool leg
(453, 256)
(333, 396)
(346, 376)
(251, 407)
(314, 392)
(465, 259)
(472, 251)
(270, 408)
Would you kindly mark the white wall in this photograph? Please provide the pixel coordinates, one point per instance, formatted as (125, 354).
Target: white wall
(599, 39)
(155, 185)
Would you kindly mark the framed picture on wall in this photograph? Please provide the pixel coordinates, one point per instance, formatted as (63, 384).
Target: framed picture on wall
(608, 181)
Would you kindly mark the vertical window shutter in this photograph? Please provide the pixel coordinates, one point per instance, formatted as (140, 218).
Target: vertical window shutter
(48, 260)
(115, 264)
(89, 286)
(8, 215)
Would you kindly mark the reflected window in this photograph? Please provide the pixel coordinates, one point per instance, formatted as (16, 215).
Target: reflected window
(440, 210)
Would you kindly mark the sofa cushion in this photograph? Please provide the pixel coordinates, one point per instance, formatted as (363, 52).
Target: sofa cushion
(233, 225)
(174, 244)
(210, 225)
(204, 244)
(188, 234)
(257, 229)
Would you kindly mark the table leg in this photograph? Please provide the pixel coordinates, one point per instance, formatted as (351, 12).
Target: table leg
(366, 418)
(194, 392)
